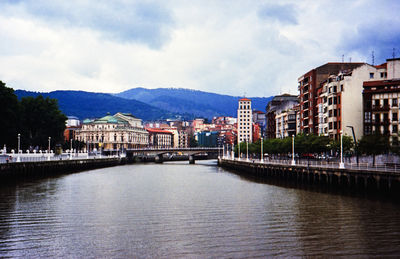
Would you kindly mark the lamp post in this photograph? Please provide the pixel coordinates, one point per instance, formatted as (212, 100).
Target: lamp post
(232, 151)
(19, 141)
(293, 161)
(70, 154)
(48, 158)
(341, 165)
(262, 151)
(247, 149)
(239, 151)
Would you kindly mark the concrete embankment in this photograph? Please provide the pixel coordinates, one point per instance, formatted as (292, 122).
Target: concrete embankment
(23, 170)
(376, 181)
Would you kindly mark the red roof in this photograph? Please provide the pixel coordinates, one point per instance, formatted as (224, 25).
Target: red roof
(381, 82)
(244, 99)
(158, 131)
(384, 65)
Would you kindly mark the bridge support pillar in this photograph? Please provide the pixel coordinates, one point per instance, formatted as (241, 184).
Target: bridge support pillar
(191, 159)
(159, 159)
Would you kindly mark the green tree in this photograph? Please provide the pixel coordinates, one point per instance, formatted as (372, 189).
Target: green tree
(348, 144)
(374, 144)
(192, 141)
(41, 119)
(8, 117)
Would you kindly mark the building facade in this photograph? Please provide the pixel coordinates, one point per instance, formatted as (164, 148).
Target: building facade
(111, 133)
(286, 123)
(275, 107)
(340, 102)
(159, 138)
(308, 85)
(245, 121)
(381, 101)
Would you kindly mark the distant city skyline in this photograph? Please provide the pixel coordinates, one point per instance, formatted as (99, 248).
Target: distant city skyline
(252, 48)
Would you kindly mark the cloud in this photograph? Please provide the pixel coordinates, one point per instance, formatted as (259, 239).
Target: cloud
(144, 22)
(285, 14)
(229, 47)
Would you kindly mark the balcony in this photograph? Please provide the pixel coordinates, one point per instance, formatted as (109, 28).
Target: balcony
(379, 108)
(380, 122)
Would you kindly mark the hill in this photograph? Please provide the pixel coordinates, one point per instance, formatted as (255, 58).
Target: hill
(92, 105)
(199, 103)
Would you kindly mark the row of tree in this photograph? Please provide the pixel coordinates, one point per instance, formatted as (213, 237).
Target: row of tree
(35, 119)
(313, 144)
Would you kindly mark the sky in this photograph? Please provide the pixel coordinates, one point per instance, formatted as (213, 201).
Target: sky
(241, 48)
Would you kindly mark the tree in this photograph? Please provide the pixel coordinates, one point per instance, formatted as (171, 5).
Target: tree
(374, 144)
(348, 144)
(192, 141)
(8, 116)
(41, 119)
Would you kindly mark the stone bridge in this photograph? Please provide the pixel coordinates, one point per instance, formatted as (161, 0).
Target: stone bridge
(159, 152)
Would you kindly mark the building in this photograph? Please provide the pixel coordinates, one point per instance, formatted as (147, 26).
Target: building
(381, 101)
(159, 138)
(340, 101)
(72, 125)
(209, 139)
(244, 121)
(277, 105)
(308, 85)
(285, 123)
(111, 133)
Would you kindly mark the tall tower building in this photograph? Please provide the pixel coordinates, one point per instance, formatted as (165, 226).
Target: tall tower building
(245, 121)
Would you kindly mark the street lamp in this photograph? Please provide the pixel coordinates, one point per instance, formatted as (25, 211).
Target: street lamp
(247, 149)
(262, 151)
(239, 151)
(70, 154)
(19, 139)
(341, 165)
(293, 161)
(48, 158)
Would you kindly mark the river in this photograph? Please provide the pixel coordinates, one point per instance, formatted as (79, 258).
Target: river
(177, 210)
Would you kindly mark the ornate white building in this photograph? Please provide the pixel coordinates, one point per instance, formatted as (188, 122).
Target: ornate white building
(110, 133)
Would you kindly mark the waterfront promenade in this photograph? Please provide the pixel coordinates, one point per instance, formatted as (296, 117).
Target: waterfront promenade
(383, 178)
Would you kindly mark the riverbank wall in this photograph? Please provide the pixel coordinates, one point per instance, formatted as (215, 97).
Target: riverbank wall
(361, 180)
(24, 170)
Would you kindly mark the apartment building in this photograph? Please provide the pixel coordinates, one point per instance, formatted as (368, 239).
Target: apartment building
(159, 138)
(308, 85)
(286, 123)
(275, 107)
(340, 102)
(245, 121)
(381, 101)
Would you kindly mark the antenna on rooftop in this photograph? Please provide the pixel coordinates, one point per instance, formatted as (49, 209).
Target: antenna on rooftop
(373, 58)
(342, 58)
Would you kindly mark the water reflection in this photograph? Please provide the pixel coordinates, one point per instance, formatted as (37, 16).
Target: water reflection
(181, 210)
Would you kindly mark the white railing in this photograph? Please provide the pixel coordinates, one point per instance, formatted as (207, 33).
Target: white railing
(323, 164)
(38, 157)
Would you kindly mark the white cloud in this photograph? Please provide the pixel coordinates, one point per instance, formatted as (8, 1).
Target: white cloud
(229, 47)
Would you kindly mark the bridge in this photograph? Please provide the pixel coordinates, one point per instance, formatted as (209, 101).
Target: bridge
(159, 153)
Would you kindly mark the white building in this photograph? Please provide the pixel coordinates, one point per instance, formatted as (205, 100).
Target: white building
(340, 101)
(245, 121)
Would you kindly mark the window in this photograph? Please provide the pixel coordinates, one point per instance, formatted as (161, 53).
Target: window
(371, 75)
(330, 101)
(341, 88)
(385, 102)
(334, 88)
(330, 125)
(394, 116)
(335, 112)
(330, 113)
(395, 129)
(338, 99)
(394, 102)
(334, 100)
(377, 102)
